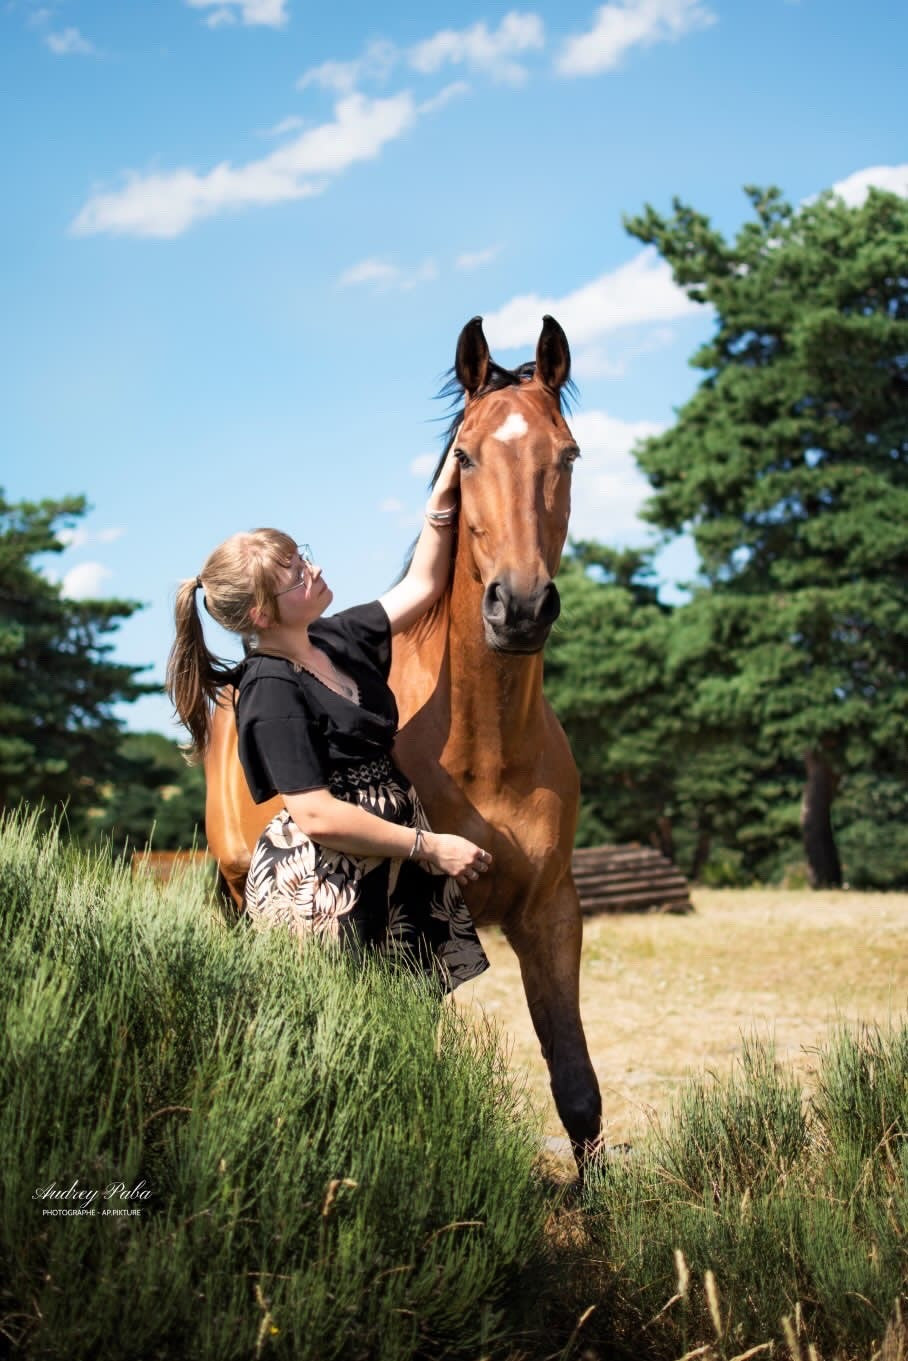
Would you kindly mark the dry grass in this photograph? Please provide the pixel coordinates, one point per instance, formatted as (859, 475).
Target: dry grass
(665, 996)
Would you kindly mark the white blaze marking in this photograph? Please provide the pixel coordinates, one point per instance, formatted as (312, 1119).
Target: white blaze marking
(513, 427)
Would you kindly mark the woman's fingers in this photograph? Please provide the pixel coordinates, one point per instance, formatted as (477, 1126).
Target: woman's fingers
(466, 862)
(467, 876)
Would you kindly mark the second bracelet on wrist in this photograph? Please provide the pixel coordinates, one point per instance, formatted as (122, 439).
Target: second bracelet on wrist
(416, 850)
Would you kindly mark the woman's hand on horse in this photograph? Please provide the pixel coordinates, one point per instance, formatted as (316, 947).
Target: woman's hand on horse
(455, 855)
(447, 485)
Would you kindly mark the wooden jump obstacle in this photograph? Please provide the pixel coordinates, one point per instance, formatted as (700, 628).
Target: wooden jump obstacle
(628, 879)
(608, 878)
(162, 865)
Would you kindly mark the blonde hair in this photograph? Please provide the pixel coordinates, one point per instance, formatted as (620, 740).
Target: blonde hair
(237, 578)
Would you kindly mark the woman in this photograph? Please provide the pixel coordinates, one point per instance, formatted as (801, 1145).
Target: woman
(350, 857)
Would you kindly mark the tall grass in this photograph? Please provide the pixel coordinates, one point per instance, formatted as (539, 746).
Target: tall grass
(338, 1165)
(754, 1221)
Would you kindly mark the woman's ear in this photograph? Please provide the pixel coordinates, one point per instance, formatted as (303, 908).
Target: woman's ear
(259, 617)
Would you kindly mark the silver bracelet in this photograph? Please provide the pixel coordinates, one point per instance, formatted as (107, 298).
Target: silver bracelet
(417, 844)
(442, 517)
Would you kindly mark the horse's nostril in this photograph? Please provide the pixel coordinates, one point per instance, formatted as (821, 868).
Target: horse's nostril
(504, 610)
(548, 606)
(494, 605)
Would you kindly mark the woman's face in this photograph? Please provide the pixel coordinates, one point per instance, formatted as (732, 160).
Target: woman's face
(301, 591)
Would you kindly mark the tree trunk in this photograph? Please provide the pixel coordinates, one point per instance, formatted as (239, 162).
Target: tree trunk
(663, 838)
(824, 869)
(701, 853)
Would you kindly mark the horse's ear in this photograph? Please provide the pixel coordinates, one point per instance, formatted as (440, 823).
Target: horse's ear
(553, 355)
(471, 363)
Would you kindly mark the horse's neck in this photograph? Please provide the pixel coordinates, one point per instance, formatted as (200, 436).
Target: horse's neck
(496, 699)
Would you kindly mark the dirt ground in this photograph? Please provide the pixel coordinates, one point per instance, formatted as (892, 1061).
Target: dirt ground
(665, 996)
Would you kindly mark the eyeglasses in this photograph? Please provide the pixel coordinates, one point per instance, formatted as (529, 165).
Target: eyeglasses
(308, 562)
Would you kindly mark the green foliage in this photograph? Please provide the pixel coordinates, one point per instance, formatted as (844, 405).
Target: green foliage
(626, 675)
(605, 677)
(157, 797)
(872, 822)
(777, 1212)
(58, 685)
(790, 468)
(339, 1165)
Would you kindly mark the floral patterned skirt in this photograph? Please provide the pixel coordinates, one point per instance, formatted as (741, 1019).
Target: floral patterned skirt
(404, 910)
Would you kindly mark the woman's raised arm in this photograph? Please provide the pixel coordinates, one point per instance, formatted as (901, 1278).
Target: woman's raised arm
(427, 574)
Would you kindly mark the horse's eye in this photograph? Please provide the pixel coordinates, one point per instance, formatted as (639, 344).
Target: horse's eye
(463, 458)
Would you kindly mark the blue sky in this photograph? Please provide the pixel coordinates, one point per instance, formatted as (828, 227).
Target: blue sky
(240, 240)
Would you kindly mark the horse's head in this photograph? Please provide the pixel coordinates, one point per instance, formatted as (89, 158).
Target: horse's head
(515, 453)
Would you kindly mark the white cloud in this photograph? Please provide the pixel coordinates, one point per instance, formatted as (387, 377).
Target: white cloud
(472, 259)
(271, 13)
(854, 189)
(609, 488)
(70, 43)
(625, 24)
(482, 49)
(167, 204)
(423, 465)
(370, 271)
(444, 96)
(292, 123)
(84, 582)
(376, 63)
(341, 76)
(73, 538)
(78, 537)
(639, 291)
(218, 18)
(391, 505)
(423, 274)
(595, 361)
(383, 275)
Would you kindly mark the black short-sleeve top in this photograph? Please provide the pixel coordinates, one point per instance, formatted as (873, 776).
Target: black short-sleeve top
(293, 730)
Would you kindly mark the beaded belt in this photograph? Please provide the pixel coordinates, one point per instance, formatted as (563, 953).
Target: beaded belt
(358, 776)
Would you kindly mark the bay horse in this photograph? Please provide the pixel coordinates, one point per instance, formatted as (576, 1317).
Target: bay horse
(477, 737)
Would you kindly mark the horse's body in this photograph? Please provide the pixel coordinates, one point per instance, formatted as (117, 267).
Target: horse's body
(477, 738)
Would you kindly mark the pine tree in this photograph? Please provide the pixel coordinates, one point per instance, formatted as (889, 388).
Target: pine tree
(59, 737)
(606, 679)
(790, 467)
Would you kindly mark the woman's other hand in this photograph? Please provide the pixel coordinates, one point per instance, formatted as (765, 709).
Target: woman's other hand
(455, 855)
(446, 491)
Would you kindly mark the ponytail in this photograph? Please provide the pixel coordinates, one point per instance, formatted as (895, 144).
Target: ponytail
(193, 673)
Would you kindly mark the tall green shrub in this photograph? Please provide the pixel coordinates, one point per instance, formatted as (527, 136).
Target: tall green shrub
(338, 1165)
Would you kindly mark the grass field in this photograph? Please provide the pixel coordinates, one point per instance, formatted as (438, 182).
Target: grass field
(336, 1164)
(667, 996)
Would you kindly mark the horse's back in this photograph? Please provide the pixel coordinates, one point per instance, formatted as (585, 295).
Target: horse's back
(233, 823)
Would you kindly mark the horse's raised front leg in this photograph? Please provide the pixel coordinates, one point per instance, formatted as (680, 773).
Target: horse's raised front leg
(547, 940)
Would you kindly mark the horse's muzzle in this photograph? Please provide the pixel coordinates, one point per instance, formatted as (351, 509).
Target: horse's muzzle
(518, 621)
